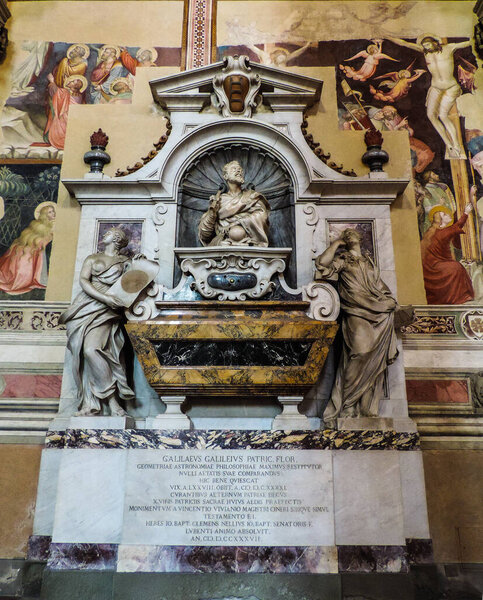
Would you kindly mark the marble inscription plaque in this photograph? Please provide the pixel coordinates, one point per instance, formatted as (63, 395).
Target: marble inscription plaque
(229, 498)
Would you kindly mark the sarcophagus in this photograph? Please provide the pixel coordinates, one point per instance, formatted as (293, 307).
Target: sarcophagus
(232, 348)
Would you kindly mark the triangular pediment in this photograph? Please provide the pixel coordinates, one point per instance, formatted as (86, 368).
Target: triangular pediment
(197, 88)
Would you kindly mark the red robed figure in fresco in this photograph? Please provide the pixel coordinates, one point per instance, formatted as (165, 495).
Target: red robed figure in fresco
(445, 279)
(60, 100)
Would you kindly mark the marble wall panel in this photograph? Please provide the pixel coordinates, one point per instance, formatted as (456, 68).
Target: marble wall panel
(367, 499)
(90, 497)
(396, 382)
(88, 230)
(22, 385)
(413, 495)
(444, 391)
(385, 251)
(47, 491)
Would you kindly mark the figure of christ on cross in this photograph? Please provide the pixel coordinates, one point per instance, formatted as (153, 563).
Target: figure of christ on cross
(444, 88)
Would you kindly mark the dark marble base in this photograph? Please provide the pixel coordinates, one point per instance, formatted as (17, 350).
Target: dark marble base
(373, 559)
(427, 584)
(420, 552)
(93, 557)
(231, 559)
(227, 559)
(326, 439)
(31, 581)
(39, 547)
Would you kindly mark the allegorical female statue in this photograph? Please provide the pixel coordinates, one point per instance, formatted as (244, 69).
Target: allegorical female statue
(237, 217)
(94, 334)
(369, 340)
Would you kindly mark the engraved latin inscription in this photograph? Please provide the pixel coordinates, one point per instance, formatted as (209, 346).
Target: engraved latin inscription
(229, 498)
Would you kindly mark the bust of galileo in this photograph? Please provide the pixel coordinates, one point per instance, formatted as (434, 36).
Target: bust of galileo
(237, 217)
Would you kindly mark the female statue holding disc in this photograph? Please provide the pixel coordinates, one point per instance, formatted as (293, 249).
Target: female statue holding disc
(94, 333)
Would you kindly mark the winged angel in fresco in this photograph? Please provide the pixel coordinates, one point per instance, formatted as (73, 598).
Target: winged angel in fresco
(398, 84)
(372, 55)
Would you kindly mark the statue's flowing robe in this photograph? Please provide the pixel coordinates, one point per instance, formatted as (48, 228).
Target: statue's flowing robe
(249, 209)
(93, 326)
(369, 340)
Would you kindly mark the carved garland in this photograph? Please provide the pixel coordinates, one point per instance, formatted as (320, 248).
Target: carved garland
(426, 324)
(317, 150)
(157, 147)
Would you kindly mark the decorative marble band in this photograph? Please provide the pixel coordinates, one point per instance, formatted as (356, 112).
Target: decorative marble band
(231, 440)
(431, 324)
(198, 33)
(32, 316)
(445, 322)
(231, 559)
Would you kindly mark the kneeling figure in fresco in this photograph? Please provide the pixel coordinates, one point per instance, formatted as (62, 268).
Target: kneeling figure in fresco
(369, 340)
(237, 217)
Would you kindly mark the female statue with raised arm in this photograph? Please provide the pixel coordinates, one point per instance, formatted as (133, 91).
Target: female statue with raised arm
(369, 340)
(94, 334)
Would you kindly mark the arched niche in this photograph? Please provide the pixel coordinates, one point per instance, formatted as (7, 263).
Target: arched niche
(202, 178)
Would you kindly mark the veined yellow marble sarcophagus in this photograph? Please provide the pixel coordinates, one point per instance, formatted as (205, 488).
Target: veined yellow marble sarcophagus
(232, 348)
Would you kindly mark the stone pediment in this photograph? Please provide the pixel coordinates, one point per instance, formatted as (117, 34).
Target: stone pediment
(234, 76)
(235, 102)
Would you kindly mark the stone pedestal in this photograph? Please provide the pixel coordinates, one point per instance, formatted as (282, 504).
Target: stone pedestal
(164, 501)
(172, 418)
(290, 418)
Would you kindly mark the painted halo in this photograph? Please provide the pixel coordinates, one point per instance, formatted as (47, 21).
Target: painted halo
(440, 208)
(125, 80)
(152, 51)
(115, 48)
(279, 50)
(42, 205)
(429, 35)
(83, 46)
(73, 78)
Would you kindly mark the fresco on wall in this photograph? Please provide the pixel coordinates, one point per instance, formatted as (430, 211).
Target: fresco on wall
(28, 200)
(400, 79)
(55, 75)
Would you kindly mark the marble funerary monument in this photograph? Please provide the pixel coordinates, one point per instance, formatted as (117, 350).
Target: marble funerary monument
(218, 414)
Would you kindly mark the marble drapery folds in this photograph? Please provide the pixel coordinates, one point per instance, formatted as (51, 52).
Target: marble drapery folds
(95, 340)
(369, 340)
